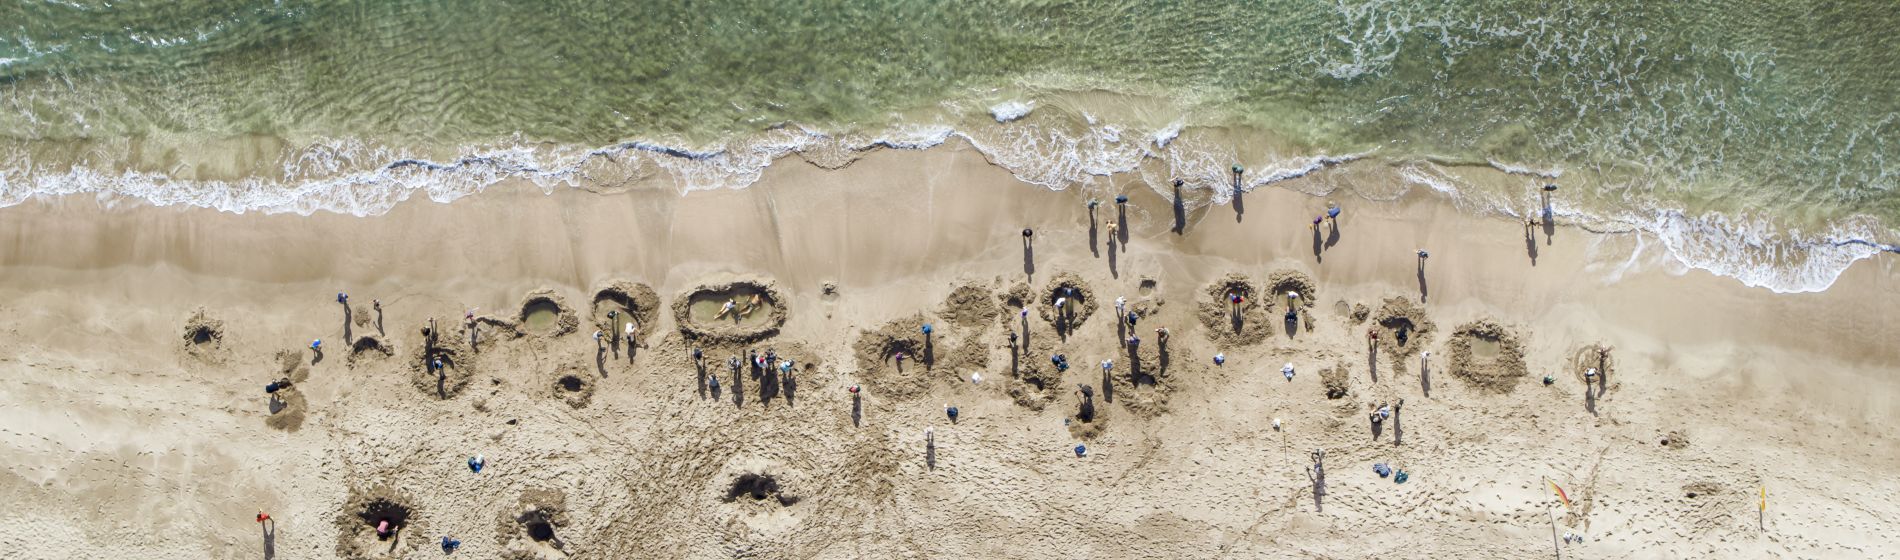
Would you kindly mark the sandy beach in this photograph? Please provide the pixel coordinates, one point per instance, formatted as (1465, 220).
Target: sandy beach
(138, 342)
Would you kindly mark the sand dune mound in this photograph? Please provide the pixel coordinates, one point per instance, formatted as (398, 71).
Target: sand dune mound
(287, 410)
(288, 406)
(969, 306)
(1488, 356)
(545, 313)
(1403, 330)
(574, 388)
(756, 313)
(1229, 325)
(1078, 302)
(629, 302)
(364, 510)
(448, 380)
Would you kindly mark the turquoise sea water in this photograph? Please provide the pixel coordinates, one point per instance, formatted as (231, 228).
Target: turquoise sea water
(1755, 139)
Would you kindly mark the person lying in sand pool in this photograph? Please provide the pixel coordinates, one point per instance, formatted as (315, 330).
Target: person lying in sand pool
(753, 304)
(727, 308)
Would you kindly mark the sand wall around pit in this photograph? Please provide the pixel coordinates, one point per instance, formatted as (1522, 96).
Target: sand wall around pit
(758, 312)
(1488, 356)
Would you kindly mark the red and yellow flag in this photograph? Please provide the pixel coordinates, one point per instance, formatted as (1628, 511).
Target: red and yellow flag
(1560, 493)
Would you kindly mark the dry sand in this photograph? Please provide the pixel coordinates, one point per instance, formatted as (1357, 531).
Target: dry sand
(137, 341)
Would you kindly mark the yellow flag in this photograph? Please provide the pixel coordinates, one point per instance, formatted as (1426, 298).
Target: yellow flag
(1764, 497)
(1560, 493)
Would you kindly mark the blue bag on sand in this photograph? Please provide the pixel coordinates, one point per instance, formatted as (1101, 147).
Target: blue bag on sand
(1383, 470)
(1400, 478)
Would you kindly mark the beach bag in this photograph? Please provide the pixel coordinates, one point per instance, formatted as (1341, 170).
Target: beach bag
(1383, 470)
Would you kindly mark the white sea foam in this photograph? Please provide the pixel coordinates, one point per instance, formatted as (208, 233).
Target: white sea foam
(1011, 110)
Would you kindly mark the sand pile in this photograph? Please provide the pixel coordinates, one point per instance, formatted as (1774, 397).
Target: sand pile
(1227, 325)
(969, 306)
(1403, 331)
(1488, 356)
(757, 313)
(288, 405)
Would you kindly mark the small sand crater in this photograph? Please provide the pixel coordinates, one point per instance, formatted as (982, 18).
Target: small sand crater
(1146, 287)
(443, 371)
(1488, 356)
(628, 303)
(1230, 322)
(1078, 302)
(1599, 358)
(371, 520)
(544, 314)
(736, 312)
(540, 517)
(368, 347)
(203, 337)
(758, 488)
(1403, 331)
(577, 390)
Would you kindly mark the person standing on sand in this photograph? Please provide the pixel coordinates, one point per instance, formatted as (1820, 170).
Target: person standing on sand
(1422, 255)
(951, 411)
(1220, 359)
(1087, 410)
(1316, 221)
(1332, 213)
(1161, 335)
(264, 517)
(633, 337)
(1121, 305)
(1027, 233)
(1012, 338)
(1112, 228)
(343, 298)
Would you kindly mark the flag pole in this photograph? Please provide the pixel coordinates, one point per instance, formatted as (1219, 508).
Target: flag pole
(1553, 534)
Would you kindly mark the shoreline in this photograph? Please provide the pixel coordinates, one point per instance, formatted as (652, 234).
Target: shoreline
(1773, 251)
(99, 295)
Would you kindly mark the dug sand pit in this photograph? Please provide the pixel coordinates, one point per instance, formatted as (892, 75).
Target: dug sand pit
(203, 337)
(1488, 356)
(1231, 324)
(735, 312)
(628, 303)
(1076, 299)
(1403, 331)
(367, 510)
(544, 313)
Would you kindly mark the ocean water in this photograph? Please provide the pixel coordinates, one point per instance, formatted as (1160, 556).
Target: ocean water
(1757, 140)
